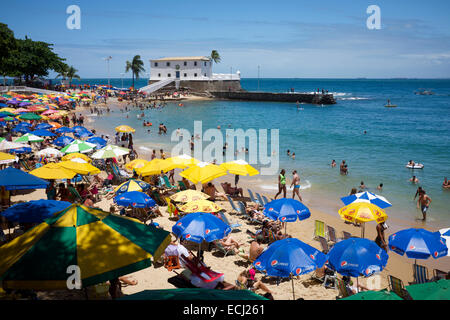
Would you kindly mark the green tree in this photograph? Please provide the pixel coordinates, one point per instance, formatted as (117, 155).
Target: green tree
(8, 47)
(215, 56)
(67, 72)
(136, 66)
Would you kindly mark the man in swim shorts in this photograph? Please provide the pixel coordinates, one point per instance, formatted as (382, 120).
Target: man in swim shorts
(424, 201)
(296, 184)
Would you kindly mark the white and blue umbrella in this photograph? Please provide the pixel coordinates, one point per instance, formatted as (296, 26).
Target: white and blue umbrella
(445, 233)
(367, 197)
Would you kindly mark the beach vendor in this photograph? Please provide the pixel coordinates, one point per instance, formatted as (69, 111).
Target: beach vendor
(281, 184)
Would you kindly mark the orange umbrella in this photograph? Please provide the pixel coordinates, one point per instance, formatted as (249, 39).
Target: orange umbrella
(55, 125)
(55, 116)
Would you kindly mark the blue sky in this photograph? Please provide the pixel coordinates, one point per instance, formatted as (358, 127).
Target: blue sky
(292, 38)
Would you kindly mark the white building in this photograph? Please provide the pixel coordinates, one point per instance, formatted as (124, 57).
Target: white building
(186, 69)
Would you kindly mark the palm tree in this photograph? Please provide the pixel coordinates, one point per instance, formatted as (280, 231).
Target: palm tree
(215, 56)
(72, 73)
(136, 66)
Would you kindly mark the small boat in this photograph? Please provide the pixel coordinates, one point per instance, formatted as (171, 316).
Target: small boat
(424, 92)
(416, 166)
(391, 106)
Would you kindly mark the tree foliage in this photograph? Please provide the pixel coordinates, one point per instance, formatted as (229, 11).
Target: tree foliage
(136, 66)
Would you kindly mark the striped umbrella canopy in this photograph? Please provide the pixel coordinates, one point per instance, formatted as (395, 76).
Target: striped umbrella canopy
(76, 155)
(6, 145)
(29, 137)
(132, 185)
(104, 246)
(445, 233)
(50, 153)
(110, 151)
(7, 158)
(367, 197)
(78, 146)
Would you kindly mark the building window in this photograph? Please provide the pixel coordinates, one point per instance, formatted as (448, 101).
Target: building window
(185, 63)
(195, 74)
(168, 64)
(205, 64)
(168, 75)
(205, 74)
(156, 64)
(195, 63)
(185, 75)
(159, 75)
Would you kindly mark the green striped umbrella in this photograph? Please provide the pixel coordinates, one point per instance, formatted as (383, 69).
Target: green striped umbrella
(374, 295)
(110, 151)
(29, 137)
(78, 146)
(30, 116)
(438, 290)
(104, 246)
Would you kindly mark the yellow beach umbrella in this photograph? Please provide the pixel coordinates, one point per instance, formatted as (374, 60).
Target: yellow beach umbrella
(135, 164)
(239, 167)
(81, 168)
(188, 196)
(154, 167)
(362, 212)
(203, 172)
(76, 155)
(53, 171)
(7, 158)
(200, 206)
(182, 162)
(124, 128)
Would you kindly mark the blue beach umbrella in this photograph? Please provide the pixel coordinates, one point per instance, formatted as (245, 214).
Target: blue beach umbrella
(367, 197)
(286, 210)
(79, 128)
(356, 257)
(99, 142)
(2, 124)
(135, 199)
(63, 141)
(418, 243)
(21, 129)
(43, 126)
(34, 211)
(201, 226)
(3, 105)
(15, 179)
(289, 257)
(83, 133)
(132, 185)
(43, 133)
(20, 150)
(64, 130)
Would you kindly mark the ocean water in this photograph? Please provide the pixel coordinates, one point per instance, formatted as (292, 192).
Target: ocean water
(418, 129)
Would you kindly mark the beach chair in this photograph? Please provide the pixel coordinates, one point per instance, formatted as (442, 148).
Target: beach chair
(420, 274)
(260, 200)
(245, 214)
(218, 246)
(438, 274)
(324, 244)
(319, 230)
(271, 237)
(252, 197)
(75, 194)
(155, 196)
(266, 201)
(116, 173)
(182, 186)
(233, 226)
(397, 287)
(168, 184)
(232, 204)
(198, 268)
(172, 263)
(332, 235)
(343, 292)
(346, 235)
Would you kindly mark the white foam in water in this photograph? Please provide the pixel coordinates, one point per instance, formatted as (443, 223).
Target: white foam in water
(354, 98)
(145, 149)
(274, 187)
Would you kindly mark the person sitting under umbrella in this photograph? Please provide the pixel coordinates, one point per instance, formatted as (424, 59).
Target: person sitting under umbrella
(212, 192)
(231, 190)
(351, 288)
(230, 244)
(248, 281)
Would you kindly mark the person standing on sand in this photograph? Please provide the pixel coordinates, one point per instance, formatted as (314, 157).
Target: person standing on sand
(281, 184)
(425, 202)
(380, 240)
(296, 184)
(153, 154)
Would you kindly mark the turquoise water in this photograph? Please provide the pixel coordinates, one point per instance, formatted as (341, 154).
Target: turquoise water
(417, 129)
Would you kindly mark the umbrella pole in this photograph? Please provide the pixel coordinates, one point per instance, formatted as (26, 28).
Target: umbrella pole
(293, 292)
(285, 227)
(362, 229)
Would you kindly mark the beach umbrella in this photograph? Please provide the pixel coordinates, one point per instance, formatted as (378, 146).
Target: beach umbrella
(43, 126)
(99, 142)
(21, 129)
(3, 124)
(356, 257)
(63, 141)
(288, 258)
(20, 150)
(6, 145)
(135, 164)
(43, 133)
(83, 133)
(125, 128)
(64, 130)
(445, 233)
(104, 246)
(132, 185)
(181, 162)
(201, 226)
(80, 168)
(78, 146)
(194, 294)
(362, 212)
(200, 206)
(135, 199)
(239, 167)
(286, 210)
(34, 211)
(30, 116)
(418, 244)
(24, 104)
(374, 295)
(203, 172)
(29, 137)
(7, 158)
(79, 129)
(49, 112)
(367, 197)
(15, 179)
(49, 153)
(110, 151)
(53, 171)
(8, 119)
(188, 196)
(153, 167)
(435, 290)
(7, 114)
(76, 155)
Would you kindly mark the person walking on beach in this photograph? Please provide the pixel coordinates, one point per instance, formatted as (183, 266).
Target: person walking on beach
(424, 201)
(296, 184)
(380, 240)
(281, 184)
(153, 154)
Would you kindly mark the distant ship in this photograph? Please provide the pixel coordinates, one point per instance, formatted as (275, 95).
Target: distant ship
(424, 92)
